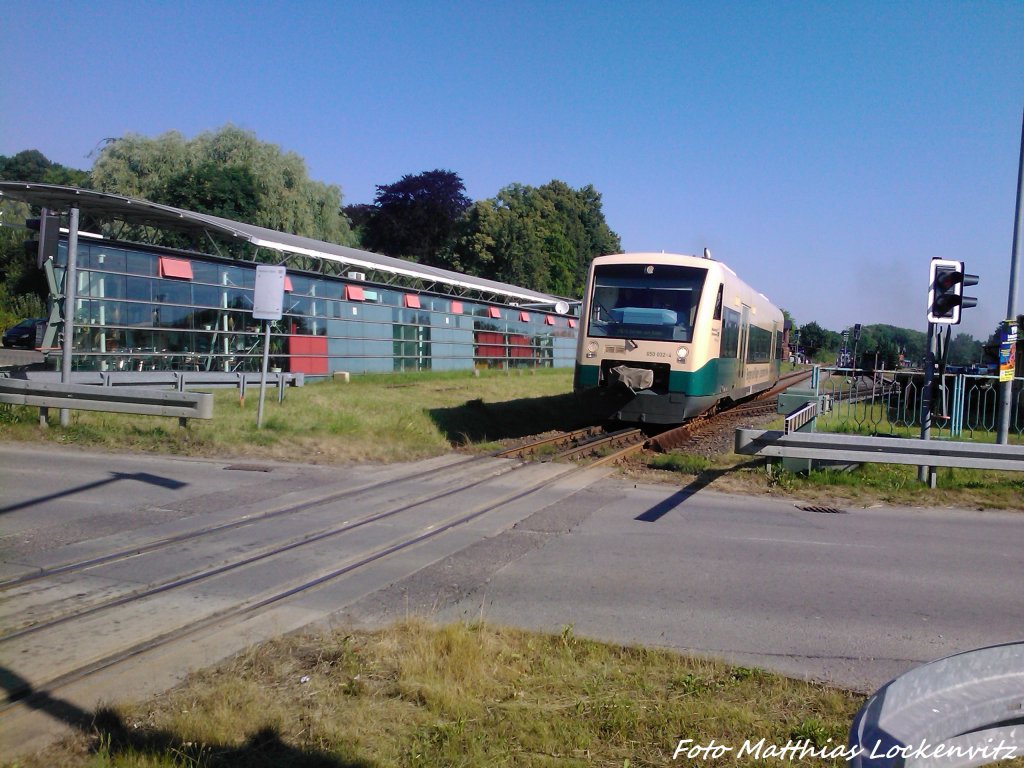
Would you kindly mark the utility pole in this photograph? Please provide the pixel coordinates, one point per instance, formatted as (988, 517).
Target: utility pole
(1006, 387)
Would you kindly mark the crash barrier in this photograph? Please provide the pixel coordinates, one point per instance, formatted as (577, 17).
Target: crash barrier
(964, 405)
(85, 397)
(179, 380)
(960, 711)
(883, 450)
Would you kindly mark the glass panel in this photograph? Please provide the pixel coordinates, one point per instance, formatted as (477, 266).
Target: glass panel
(237, 276)
(168, 316)
(139, 288)
(205, 272)
(301, 285)
(109, 259)
(206, 295)
(141, 263)
(172, 292)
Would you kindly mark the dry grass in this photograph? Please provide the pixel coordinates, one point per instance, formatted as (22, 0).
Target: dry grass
(400, 417)
(418, 695)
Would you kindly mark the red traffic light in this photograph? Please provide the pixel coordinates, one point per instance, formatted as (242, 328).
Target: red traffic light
(945, 292)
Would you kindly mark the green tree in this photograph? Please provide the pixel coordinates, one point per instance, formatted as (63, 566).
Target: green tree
(22, 286)
(228, 191)
(815, 340)
(228, 171)
(32, 166)
(415, 217)
(964, 349)
(540, 237)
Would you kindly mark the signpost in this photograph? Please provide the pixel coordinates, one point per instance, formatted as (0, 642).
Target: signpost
(267, 305)
(1007, 349)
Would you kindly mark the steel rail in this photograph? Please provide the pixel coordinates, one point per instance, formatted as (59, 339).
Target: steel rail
(28, 693)
(255, 556)
(156, 544)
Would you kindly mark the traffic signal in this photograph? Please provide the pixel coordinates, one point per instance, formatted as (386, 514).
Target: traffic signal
(48, 227)
(946, 291)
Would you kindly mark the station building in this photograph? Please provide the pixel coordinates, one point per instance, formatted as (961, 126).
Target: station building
(148, 307)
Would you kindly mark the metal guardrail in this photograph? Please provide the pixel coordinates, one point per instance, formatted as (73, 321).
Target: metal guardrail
(883, 450)
(960, 711)
(86, 397)
(890, 402)
(179, 380)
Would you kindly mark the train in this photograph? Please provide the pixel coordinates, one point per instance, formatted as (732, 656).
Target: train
(677, 335)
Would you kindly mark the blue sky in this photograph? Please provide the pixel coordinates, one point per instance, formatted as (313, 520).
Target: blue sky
(825, 151)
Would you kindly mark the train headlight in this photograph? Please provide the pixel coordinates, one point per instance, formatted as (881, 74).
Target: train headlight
(681, 354)
(591, 349)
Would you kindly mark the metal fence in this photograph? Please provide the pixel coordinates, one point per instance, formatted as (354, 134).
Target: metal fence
(964, 406)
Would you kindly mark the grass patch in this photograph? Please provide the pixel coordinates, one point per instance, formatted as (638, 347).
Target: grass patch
(683, 463)
(898, 484)
(459, 695)
(378, 418)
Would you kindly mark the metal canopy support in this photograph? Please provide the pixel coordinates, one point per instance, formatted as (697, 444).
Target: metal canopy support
(70, 295)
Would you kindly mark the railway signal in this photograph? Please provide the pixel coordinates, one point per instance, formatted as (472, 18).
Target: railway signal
(946, 291)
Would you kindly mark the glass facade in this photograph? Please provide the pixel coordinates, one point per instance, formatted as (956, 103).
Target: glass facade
(140, 309)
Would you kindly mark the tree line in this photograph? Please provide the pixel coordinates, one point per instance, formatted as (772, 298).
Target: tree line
(892, 346)
(539, 237)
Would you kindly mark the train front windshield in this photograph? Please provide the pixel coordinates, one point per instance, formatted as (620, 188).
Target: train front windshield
(645, 301)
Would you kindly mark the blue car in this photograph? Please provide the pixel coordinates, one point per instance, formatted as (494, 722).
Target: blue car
(25, 334)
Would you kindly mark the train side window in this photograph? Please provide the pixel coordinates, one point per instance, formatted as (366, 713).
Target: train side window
(759, 345)
(718, 301)
(730, 346)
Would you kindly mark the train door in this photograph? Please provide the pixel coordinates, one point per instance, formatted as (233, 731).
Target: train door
(741, 367)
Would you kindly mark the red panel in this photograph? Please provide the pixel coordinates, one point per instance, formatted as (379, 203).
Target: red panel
(572, 323)
(287, 283)
(549, 320)
(456, 307)
(354, 293)
(494, 312)
(179, 268)
(519, 345)
(524, 317)
(308, 354)
(490, 344)
(412, 301)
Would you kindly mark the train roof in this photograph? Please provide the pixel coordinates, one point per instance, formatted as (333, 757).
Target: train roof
(661, 257)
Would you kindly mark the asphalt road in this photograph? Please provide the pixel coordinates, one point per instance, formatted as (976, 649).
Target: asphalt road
(853, 597)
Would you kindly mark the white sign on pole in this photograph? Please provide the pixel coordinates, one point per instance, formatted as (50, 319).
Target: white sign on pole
(268, 295)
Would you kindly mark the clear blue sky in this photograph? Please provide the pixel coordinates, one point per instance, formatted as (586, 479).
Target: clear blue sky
(825, 151)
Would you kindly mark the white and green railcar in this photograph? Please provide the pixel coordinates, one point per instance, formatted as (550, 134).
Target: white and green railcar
(683, 333)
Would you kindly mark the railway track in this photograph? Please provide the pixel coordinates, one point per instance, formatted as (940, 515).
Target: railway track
(77, 629)
(598, 446)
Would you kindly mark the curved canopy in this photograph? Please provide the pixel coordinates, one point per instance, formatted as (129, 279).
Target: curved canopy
(106, 206)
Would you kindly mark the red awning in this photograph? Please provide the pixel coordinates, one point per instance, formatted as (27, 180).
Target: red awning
(179, 268)
(354, 293)
(412, 301)
(494, 312)
(456, 307)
